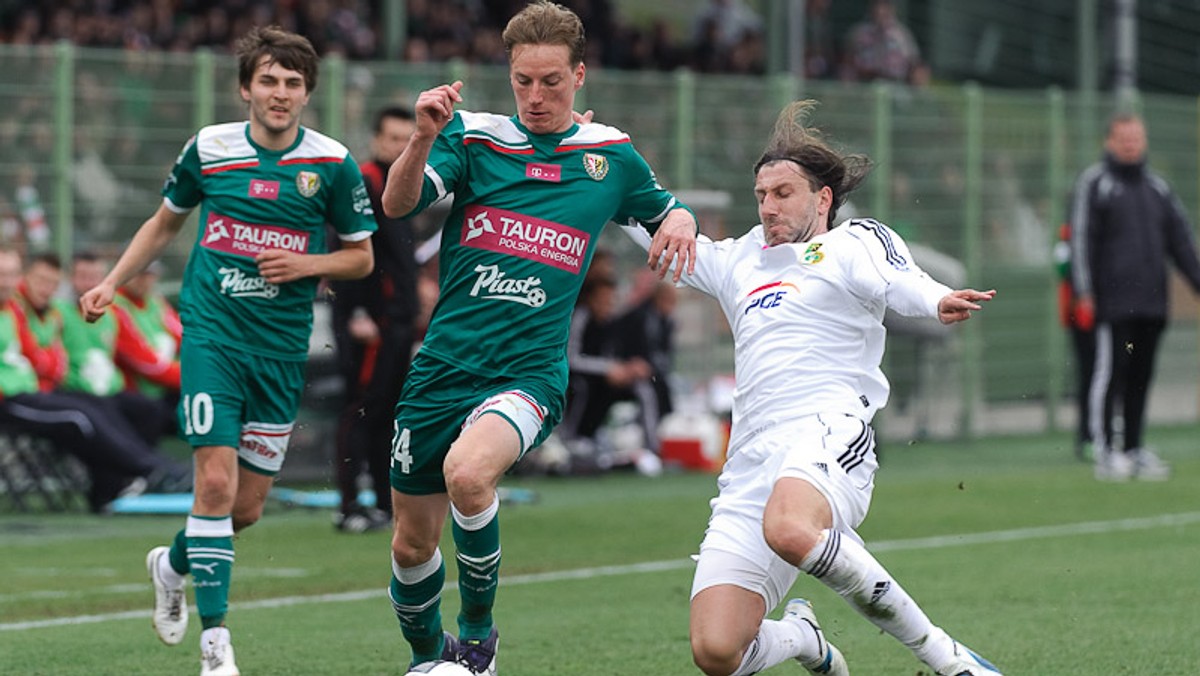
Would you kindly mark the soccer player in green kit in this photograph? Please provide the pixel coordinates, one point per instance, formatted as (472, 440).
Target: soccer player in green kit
(531, 194)
(266, 188)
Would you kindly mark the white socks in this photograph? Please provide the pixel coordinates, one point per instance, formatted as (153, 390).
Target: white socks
(848, 568)
(778, 642)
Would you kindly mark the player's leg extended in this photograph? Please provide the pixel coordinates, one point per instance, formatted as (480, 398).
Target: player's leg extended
(845, 566)
(487, 447)
(418, 571)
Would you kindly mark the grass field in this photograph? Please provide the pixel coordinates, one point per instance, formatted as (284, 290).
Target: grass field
(1007, 543)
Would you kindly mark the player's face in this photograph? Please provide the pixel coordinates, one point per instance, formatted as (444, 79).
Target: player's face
(791, 211)
(544, 84)
(41, 282)
(1127, 141)
(392, 138)
(277, 97)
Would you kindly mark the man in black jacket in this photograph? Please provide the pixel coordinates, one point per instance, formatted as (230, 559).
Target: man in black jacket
(373, 321)
(1125, 225)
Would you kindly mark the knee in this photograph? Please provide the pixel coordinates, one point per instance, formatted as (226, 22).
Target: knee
(245, 517)
(214, 491)
(466, 482)
(716, 655)
(408, 552)
(790, 540)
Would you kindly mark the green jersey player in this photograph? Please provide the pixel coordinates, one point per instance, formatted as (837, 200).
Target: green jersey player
(265, 188)
(531, 194)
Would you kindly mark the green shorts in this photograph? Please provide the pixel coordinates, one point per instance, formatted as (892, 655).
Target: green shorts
(238, 399)
(440, 400)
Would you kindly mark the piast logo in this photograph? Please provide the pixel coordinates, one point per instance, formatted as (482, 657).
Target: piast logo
(493, 284)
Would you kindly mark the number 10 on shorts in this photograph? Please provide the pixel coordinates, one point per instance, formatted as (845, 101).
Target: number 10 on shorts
(197, 414)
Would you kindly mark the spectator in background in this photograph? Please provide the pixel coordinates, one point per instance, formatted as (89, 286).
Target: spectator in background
(598, 377)
(35, 294)
(374, 322)
(647, 331)
(820, 51)
(92, 354)
(1080, 322)
(1126, 224)
(726, 23)
(882, 48)
(119, 459)
(145, 318)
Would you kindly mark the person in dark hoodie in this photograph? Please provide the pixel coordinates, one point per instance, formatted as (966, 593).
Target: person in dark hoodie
(1126, 224)
(374, 324)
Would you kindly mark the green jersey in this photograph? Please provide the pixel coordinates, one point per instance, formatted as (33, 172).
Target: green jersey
(254, 199)
(16, 373)
(90, 347)
(528, 210)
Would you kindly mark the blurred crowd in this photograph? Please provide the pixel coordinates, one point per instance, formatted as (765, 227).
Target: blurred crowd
(725, 36)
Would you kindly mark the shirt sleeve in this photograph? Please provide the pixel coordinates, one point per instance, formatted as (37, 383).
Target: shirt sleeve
(183, 189)
(446, 167)
(349, 207)
(892, 274)
(645, 200)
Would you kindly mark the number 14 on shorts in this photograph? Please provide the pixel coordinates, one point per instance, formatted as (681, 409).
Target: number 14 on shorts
(400, 453)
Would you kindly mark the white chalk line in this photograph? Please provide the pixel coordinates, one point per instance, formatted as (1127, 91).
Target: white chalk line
(936, 542)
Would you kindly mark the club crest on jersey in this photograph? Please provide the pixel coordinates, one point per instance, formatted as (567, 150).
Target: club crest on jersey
(812, 255)
(595, 165)
(308, 183)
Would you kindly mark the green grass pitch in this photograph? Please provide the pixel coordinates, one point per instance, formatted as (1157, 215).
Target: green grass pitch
(1007, 543)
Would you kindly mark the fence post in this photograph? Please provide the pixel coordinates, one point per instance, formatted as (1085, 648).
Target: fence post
(204, 89)
(881, 152)
(685, 129)
(334, 122)
(1055, 174)
(64, 140)
(972, 364)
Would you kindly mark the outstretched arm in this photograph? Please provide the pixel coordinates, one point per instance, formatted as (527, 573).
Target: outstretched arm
(957, 306)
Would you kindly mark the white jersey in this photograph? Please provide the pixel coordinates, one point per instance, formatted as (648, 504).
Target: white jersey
(807, 319)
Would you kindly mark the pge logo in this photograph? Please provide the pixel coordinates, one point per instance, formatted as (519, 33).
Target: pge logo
(477, 225)
(777, 291)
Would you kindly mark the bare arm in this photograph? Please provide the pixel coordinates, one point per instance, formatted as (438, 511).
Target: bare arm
(353, 261)
(434, 110)
(147, 244)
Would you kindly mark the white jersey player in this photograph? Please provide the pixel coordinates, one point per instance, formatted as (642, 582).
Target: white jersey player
(806, 305)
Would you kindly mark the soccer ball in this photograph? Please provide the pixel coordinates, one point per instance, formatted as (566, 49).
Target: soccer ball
(440, 668)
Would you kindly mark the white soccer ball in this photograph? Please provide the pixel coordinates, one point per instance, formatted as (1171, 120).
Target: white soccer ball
(440, 668)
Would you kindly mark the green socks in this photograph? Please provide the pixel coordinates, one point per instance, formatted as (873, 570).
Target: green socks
(210, 561)
(477, 539)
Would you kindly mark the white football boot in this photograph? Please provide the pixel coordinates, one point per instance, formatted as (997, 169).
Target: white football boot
(216, 653)
(170, 604)
(829, 661)
(967, 663)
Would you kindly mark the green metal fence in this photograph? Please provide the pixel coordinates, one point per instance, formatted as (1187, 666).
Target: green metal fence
(979, 176)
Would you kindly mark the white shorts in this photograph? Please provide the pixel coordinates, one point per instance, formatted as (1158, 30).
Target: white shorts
(833, 452)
